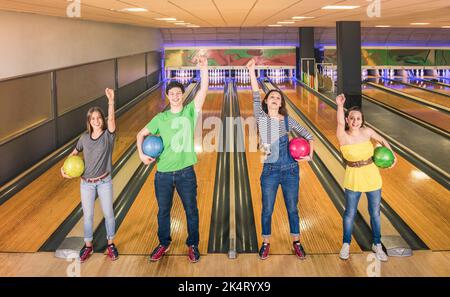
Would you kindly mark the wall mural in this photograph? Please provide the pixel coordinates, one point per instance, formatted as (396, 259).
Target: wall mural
(230, 57)
(397, 57)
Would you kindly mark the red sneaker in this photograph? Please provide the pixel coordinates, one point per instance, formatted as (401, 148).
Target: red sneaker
(113, 254)
(264, 251)
(299, 251)
(193, 254)
(158, 253)
(85, 253)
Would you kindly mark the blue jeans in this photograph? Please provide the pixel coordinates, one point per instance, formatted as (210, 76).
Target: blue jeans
(288, 177)
(351, 207)
(89, 191)
(185, 182)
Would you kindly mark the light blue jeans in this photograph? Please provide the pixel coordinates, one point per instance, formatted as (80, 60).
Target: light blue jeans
(89, 191)
(351, 208)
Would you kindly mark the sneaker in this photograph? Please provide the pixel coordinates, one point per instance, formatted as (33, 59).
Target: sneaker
(193, 254)
(299, 251)
(379, 253)
(158, 253)
(113, 254)
(345, 251)
(85, 253)
(264, 251)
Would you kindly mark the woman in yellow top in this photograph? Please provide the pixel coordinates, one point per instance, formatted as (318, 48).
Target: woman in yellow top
(361, 174)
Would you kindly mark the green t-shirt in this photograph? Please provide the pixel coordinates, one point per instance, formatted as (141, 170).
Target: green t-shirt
(177, 133)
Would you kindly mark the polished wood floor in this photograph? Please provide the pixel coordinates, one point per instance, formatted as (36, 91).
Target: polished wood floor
(415, 109)
(422, 263)
(428, 85)
(32, 215)
(320, 222)
(138, 232)
(427, 96)
(419, 200)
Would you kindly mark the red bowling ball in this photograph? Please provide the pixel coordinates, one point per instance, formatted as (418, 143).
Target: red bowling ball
(299, 148)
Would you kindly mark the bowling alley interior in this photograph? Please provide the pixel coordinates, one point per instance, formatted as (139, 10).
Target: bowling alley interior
(390, 58)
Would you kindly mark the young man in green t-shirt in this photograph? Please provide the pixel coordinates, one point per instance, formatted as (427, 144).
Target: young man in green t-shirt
(175, 164)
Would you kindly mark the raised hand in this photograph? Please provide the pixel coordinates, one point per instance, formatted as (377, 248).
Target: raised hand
(251, 65)
(340, 100)
(203, 62)
(110, 94)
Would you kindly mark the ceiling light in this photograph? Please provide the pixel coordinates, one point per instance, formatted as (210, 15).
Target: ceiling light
(166, 19)
(286, 22)
(275, 25)
(340, 7)
(419, 24)
(134, 9)
(193, 26)
(182, 24)
(447, 27)
(383, 26)
(301, 17)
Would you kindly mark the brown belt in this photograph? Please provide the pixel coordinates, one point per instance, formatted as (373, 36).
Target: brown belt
(359, 163)
(95, 179)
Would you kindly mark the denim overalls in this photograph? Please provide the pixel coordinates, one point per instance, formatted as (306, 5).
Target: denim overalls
(280, 169)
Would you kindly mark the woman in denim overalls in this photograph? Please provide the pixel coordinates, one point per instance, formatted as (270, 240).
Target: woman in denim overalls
(279, 166)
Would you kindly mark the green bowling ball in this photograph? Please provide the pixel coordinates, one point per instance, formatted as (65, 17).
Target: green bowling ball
(383, 157)
(74, 166)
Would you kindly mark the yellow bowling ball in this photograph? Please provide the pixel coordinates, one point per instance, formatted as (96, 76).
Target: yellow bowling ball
(74, 166)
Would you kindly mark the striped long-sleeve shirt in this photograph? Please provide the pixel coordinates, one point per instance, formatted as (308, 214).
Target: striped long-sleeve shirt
(271, 129)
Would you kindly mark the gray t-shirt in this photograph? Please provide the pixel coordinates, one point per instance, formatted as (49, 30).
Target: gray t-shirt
(97, 153)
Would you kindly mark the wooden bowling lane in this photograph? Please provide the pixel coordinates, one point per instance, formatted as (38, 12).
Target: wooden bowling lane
(320, 222)
(138, 232)
(419, 200)
(415, 109)
(423, 94)
(34, 213)
(427, 85)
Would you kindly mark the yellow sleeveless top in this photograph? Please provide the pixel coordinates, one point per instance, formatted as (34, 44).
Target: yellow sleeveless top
(360, 179)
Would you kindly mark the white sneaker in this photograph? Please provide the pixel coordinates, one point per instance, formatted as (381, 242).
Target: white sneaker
(345, 251)
(379, 253)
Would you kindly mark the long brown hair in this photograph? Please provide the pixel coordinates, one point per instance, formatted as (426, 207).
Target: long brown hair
(282, 109)
(89, 115)
(347, 113)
